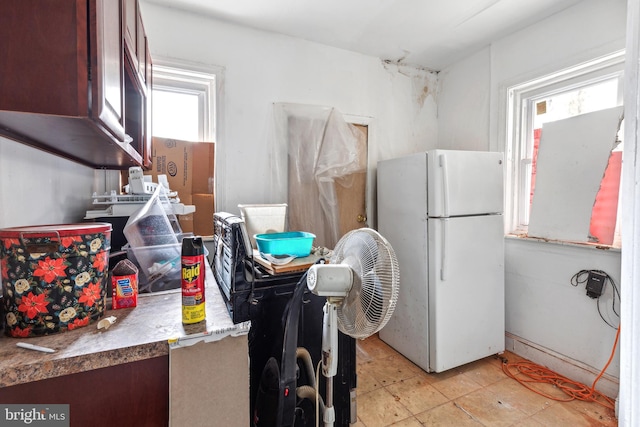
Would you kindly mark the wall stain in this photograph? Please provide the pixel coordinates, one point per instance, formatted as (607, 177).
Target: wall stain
(423, 80)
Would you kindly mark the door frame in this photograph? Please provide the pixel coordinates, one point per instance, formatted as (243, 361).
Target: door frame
(629, 395)
(372, 162)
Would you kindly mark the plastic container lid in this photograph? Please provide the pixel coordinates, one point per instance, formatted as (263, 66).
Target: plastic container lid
(62, 230)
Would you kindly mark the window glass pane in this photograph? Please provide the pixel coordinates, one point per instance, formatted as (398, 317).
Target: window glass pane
(578, 101)
(175, 115)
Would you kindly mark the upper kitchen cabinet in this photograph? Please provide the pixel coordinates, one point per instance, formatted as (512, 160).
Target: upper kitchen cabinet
(69, 86)
(136, 40)
(138, 73)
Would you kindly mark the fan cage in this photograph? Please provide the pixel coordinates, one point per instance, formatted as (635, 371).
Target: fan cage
(374, 292)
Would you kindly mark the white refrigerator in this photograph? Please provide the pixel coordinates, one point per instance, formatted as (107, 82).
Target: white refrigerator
(441, 210)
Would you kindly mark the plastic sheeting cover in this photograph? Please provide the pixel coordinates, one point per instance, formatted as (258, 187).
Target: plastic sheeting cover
(315, 148)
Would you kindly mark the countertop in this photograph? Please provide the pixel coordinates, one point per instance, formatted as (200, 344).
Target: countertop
(139, 333)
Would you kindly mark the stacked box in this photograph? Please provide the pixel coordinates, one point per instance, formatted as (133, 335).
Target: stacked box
(189, 167)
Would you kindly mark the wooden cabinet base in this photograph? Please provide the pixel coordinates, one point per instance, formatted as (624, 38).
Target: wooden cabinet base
(131, 394)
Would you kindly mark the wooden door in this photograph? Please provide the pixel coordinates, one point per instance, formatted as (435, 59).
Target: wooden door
(351, 194)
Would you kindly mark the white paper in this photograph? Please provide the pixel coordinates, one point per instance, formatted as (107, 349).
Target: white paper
(572, 158)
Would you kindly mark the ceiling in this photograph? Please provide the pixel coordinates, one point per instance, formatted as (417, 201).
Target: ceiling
(425, 33)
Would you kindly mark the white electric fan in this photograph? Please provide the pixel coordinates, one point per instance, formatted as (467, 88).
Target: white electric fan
(361, 285)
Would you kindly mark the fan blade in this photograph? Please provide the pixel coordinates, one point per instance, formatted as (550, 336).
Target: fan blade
(371, 300)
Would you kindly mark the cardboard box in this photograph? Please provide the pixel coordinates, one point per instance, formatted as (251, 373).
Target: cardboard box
(189, 167)
(186, 223)
(203, 169)
(203, 216)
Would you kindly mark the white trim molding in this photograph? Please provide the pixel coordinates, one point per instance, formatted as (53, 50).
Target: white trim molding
(629, 398)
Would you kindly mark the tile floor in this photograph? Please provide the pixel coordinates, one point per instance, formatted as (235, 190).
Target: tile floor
(393, 391)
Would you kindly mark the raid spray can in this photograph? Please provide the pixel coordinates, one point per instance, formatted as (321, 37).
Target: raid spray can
(193, 273)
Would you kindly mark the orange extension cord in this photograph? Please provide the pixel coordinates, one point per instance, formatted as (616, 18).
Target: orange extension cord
(574, 390)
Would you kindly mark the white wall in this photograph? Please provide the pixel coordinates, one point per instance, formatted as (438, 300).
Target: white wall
(463, 103)
(545, 310)
(39, 188)
(261, 68)
(542, 307)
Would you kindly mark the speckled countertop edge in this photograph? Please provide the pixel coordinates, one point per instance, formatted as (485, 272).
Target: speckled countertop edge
(139, 333)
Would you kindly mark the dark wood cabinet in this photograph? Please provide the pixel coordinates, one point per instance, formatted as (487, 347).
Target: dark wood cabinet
(68, 83)
(107, 66)
(130, 394)
(131, 22)
(138, 69)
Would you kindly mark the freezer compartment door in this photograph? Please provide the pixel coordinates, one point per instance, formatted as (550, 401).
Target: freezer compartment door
(464, 182)
(466, 290)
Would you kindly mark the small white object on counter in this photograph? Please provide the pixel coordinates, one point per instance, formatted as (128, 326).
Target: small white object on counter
(106, 322)
(35, 347)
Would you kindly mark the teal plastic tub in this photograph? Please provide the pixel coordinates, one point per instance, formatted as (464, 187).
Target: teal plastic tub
(293, 243)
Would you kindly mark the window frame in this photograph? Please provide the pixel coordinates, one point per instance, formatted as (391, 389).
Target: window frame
(194, 79)
(521, 99)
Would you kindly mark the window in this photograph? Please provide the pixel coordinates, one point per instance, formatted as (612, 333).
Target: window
(586, 88)
(185, 99)
(177, 115)
(184, 104)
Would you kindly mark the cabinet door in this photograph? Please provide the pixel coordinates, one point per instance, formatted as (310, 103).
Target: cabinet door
(107, 66)
(148, 67)
(135, 40)
(130, 23)
(142, 51)
(43, 62)
(146, 155)
(134, 393)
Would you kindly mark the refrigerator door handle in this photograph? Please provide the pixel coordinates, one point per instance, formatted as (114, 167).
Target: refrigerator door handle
(445, 184)
(443, 250)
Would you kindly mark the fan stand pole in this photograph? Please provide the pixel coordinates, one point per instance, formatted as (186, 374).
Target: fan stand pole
(330, 356)
(329, 417)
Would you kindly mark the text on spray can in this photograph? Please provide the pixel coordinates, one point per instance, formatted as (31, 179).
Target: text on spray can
(193, 274)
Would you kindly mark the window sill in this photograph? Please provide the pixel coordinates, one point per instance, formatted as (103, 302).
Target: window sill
(587, 245)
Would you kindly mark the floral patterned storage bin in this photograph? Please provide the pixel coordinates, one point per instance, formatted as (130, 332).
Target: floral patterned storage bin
(54, 277)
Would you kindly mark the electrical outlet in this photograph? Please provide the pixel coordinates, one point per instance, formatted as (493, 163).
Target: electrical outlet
(595, 284)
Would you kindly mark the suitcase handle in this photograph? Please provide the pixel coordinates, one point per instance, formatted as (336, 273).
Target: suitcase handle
(40, 247)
